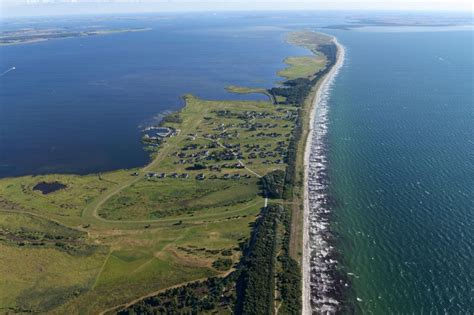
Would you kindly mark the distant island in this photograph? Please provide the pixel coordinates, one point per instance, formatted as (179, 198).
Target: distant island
(359, 22)
(33, 35)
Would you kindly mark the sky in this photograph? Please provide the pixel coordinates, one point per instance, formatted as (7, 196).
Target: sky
(10, 8)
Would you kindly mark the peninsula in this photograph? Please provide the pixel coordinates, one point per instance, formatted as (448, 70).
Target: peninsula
(32, 35)
(213, 224)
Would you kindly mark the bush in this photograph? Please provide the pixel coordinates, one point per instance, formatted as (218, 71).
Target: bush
(172, 118)
(272, 184)
(226, 252)
(197, 167)
(222, 264)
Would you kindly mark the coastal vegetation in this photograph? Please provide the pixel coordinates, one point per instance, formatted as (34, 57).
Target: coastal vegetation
(303, 66)
(273, 183)
(189, 232)
(257, 280)
(247, 90)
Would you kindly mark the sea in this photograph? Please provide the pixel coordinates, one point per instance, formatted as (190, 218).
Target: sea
(397, 142)
(401, 170)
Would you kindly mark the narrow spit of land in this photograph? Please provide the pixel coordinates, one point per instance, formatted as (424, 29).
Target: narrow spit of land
(220, 200)
(34, 35)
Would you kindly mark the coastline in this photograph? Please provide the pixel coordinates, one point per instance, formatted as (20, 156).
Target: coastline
(322, 87)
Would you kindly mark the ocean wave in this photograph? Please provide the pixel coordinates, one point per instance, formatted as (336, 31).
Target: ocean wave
(324, 284)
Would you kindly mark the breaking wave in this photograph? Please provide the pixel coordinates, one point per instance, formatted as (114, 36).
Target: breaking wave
(325, 286)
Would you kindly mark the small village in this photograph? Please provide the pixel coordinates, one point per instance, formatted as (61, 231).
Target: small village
(224, 144)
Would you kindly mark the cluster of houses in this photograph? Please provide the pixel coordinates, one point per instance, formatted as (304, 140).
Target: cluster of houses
(252, 115)
(222, 127)
(227, 152)
(226, 135)
(256, 126)
(206, 155)
(164, 175)
(268, 134)
(258, 151)
(218, 168)
(225, 113)
(200, 176)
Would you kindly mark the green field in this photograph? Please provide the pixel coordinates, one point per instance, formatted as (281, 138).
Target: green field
(302, 66)
(107, 239)
(153, 199)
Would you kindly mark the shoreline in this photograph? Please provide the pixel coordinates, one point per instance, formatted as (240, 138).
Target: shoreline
(323, 85)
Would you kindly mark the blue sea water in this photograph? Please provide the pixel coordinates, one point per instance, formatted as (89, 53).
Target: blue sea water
(401, 170)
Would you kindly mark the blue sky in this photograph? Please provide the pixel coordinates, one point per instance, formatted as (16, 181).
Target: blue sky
(49, 7)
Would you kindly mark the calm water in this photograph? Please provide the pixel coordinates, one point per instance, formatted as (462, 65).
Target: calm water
(74, 105)
(401, 169)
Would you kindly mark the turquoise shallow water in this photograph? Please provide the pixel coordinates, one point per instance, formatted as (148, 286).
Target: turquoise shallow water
(400, 147)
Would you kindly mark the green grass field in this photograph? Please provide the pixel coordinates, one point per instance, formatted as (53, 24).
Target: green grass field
(107, 239)
(154, 199)
(302, 66)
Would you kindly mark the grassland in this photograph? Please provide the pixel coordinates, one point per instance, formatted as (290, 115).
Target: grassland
(302, 66)
(153, 199)
(248, 90)
(107, 239)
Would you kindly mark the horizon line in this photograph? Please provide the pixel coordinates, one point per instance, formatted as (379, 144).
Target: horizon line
(302, 10)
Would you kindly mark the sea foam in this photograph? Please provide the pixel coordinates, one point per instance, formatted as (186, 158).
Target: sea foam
(322, 284)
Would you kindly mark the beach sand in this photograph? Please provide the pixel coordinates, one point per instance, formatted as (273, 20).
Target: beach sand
(323, 85)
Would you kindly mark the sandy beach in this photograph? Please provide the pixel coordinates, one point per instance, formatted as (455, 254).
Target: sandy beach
(323, 86)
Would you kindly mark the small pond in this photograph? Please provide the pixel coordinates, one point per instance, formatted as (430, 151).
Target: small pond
(47, 188)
